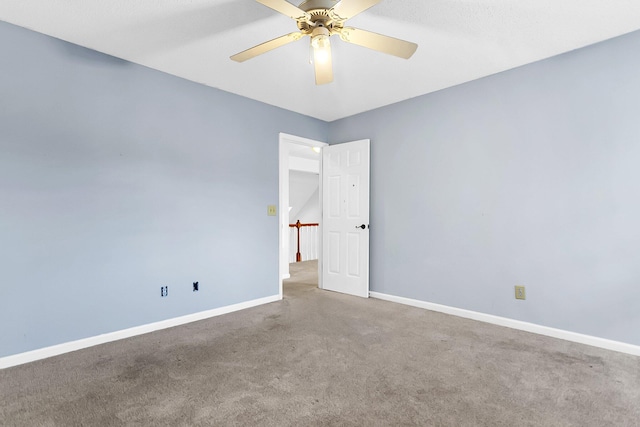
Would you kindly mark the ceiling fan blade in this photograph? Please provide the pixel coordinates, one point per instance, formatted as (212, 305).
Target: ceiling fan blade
(375, 41)
(349, 8)
(285, 8)
(266, 47)
(324, 68)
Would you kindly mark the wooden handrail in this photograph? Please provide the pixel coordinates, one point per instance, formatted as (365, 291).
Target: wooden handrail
(299, 225)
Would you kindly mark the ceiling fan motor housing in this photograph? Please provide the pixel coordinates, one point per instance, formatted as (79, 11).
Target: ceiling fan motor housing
(319, 15)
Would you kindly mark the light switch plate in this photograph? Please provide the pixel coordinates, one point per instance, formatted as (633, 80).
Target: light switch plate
(271, 210)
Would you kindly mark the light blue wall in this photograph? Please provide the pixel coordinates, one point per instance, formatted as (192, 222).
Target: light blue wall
(530, 177)
(116, 179)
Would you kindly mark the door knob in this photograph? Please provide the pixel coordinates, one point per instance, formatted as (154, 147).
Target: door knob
(361, 226)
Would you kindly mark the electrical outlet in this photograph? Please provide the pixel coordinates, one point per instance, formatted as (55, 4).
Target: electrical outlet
(164, 291)
(271, 210)
(196, 286)
(520, 292)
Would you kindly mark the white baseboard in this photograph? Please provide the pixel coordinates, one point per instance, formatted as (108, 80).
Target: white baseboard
(515, 324)
(43, 353)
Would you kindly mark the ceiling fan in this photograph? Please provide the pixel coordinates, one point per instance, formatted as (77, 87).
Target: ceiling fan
(320, 19)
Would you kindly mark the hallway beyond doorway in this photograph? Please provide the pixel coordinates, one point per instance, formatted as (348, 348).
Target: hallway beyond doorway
(303, 274)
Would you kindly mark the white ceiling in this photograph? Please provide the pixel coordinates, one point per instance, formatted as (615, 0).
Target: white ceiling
(304, 151)
(459, 41)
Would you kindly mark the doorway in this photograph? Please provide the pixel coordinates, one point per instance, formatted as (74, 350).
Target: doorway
(296, 153)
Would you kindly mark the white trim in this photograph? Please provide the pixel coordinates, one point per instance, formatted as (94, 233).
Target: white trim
(300, 140)
(283, 210)
(55, 350)
(515, 324)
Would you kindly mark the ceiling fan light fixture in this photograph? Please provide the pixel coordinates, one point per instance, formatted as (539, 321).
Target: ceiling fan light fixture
(321, 52)
(321, 44)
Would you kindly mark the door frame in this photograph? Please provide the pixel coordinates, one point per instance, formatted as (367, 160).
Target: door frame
(285, 141)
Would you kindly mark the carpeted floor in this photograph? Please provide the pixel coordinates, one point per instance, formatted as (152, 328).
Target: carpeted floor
(321, 358)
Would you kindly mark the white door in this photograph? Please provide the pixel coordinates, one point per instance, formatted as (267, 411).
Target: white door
(345, 218)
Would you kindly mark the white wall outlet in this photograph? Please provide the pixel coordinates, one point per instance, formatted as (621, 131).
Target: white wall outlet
(271, 210)
(520, 292)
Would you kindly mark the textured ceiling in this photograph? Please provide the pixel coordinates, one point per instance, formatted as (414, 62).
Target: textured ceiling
(459, 41)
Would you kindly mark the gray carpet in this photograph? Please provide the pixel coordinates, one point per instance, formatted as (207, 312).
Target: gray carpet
(321, 358)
